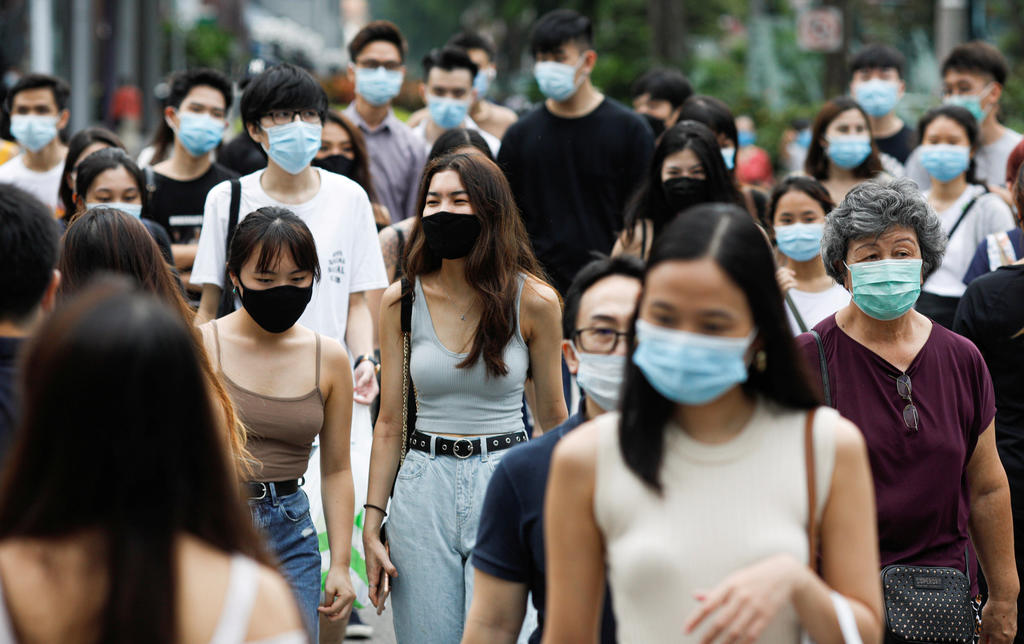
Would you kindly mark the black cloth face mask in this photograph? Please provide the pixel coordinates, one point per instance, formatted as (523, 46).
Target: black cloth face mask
(338, 164)
(683, 192)
(276, 309)
(450, 235)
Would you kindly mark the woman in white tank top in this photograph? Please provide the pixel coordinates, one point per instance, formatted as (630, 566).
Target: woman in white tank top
(697, 499)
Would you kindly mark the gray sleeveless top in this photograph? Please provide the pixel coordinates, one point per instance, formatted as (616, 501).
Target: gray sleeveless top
(469, 400)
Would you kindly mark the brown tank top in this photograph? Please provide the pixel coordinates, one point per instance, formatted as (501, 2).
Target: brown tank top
(281, 429)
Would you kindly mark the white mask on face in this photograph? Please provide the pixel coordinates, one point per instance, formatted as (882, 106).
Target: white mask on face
(600, 376)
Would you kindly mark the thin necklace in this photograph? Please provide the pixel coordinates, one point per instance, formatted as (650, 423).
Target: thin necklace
(452, 302)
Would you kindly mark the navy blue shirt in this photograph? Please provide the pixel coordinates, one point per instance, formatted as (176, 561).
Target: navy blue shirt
(8, 361)
(980, 265)
(510, 539)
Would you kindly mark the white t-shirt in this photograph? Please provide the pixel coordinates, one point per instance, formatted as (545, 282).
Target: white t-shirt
(43, 185)
(493, 142)
(989, 161)
(340, 218)
(815, 307)
(988, 215)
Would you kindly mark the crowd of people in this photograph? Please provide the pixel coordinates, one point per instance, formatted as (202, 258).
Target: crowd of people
(587, 373)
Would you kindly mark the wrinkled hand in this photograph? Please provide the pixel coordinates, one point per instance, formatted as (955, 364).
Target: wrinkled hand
(747, 600)
(338, 594)
(786, 278)
(379, 569)
(998, 622)
(365, 387)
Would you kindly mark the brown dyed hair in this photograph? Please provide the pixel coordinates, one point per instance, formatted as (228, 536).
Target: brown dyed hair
(502, 252)
(362, 174)
(817, 163)
(105, 451)
(107, 240)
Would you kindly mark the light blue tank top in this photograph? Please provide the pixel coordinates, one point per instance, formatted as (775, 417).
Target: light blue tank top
(465, 401)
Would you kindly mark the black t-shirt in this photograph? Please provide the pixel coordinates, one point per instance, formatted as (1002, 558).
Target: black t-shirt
(242, 155)
(510, 537)
(9, 348)
(991, 314)
(571, 178)
(898, 145)
(178, 205)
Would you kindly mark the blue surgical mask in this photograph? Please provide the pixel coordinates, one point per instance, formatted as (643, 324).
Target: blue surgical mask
(379, 85)
(746, 137)
(848, 151)
(971, 103)
(600, 376)
(729, 157)
(878, 97)
(557, 81)
(293, 145)
(482, 81)
(33, 131)
(886, 289)
(199, 133)
(133, 209)
(690, 368)
(803, 138)
(945, 162)
(447, 112)
(800, 242)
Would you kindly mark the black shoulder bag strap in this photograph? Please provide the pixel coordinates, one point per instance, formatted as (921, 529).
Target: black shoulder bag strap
(796, 313)
(967, 209)
(400, 268)
(227, 296)
(823, 367)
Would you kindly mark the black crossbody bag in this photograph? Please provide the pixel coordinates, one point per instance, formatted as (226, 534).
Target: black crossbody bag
(923, 604)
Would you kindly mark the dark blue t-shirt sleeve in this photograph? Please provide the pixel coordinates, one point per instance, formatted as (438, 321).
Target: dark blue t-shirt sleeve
(979, 264)
(500, 550)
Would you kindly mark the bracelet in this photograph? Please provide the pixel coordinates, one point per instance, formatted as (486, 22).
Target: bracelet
(375, 507)
(368, 358)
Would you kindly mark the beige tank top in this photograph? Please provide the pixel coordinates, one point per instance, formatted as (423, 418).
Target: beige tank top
(281, 429)
(723, 508)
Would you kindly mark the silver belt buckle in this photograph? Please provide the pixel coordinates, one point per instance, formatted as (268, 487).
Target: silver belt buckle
(261, 496)
(455, 448)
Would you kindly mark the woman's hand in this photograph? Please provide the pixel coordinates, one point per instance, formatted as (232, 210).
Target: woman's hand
(786, 278)
(998, 621)
(379, 569)
(748, 600)
(366, 387)
(338, 591)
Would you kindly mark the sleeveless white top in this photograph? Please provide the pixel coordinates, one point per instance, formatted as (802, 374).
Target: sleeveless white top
(723, 508)
(234, 617)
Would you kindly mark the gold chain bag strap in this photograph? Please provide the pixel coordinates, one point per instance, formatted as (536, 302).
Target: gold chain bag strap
(408, 391)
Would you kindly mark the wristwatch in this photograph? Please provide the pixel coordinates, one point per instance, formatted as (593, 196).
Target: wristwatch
(368, 358)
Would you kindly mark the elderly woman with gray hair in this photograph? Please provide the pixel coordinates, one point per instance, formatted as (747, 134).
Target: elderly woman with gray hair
(921, 395)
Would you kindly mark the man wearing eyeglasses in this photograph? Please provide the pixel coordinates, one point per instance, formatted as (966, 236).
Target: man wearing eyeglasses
(509, 551)
(397, 155)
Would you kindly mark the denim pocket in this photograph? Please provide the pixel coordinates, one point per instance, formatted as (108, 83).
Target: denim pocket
(412, 468)
(295, 506)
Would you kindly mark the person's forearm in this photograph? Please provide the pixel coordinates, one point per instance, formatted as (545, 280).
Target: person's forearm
(184, 255)
(338, 493)
(384, 457)
(812, 600)
(373, 299)
(991, 530)
(359, 335)
(479, 632)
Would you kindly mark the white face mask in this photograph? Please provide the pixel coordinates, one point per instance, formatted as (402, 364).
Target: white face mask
(600, 376)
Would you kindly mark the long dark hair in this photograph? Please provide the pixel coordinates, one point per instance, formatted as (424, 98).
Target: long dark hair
(502, 252)
(140, 464)
(78, 143)
(649, 200)
(817, 163)
(109, 159)
(964, 119)
(727, 235)
(106, 240)
(273, 230)
(362, 174)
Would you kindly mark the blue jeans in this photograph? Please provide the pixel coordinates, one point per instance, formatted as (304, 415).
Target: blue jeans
(291, 538)
(435, 510)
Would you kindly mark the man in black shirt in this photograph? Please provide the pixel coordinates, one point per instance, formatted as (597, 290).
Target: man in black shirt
(196, 110)
(573, 161)
(876, 82)
(28, 256)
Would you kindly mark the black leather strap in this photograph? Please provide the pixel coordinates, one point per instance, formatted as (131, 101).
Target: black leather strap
(227, 296)
(465, 447)
(257, 490)
(823, 367)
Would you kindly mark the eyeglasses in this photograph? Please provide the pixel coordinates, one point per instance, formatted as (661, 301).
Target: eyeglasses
(369, 63)
(910, 416)
(597, 339)
(282, 117)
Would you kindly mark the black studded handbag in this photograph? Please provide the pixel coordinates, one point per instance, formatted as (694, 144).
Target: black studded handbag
(928, 604)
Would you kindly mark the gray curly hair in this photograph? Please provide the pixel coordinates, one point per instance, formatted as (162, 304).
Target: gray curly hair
(872, 208)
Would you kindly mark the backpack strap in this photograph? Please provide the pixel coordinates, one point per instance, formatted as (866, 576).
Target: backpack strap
(796, 313)
(227, 296)
(967, 209)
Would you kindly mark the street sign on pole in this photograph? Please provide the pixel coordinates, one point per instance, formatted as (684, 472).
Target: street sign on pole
(820, 30)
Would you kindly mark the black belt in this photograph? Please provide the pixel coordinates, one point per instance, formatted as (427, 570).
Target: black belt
(258, 490)
(465, 447)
